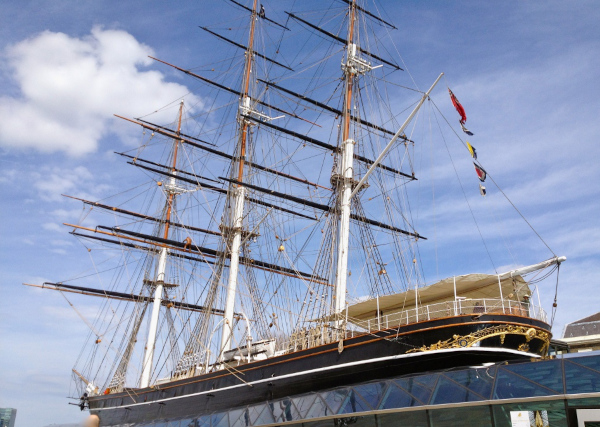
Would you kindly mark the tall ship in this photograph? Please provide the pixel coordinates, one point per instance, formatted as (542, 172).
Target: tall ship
(266, 246)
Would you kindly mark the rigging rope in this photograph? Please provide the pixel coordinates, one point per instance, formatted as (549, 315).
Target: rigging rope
(463, 191)
(555, 303)
(497, 186)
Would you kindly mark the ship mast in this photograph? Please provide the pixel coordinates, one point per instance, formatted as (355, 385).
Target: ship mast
(172, 191)
(238, 194)
(345, 175)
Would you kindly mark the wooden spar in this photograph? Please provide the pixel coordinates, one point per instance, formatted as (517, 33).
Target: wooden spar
(211, 253)
(220, 154)
(174, 131)
(262, 17)
(139, 247)
(228, 89)
(142, 216)
(366, 12)
(241, 46)
(295, 134)
(179, 171)
(343, 41)
(173, 134)
(395, 137)
(322, 207)
(318, 280)
(81, 377)
(220, 190)
(180, 178)
(122, 296)
(164, 241)
(330, 147)
(324, 106)
(299, 200)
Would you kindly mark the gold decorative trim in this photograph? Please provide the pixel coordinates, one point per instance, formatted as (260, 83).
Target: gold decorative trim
(458, 341)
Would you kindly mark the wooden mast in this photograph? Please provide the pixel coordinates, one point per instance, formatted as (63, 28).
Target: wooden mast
(172, 190)
(172, 194)
(345, 176)
(245, 97)
(238, 193)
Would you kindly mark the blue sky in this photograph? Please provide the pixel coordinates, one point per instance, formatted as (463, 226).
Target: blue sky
(526, 72)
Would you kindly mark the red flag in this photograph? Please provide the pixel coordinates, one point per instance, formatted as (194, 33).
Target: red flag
(459, 108)
(481, 173)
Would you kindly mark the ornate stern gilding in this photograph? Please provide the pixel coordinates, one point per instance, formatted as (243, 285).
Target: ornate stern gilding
(458, 341)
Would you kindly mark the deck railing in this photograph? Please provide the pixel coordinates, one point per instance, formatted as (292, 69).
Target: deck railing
(324, 334)
(457, 307)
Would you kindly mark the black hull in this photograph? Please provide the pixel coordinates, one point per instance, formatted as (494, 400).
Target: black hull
(367, 357)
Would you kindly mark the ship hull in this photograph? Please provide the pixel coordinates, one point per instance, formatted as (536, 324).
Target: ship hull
(425, 346)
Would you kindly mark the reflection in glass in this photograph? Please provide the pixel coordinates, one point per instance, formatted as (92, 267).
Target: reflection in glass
(475, 416)
(403, 419)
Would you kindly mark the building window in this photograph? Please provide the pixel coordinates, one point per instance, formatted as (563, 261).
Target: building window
(475, 416)
(557, 416)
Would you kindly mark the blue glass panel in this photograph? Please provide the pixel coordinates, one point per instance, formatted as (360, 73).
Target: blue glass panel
(219, 420)
(284, 410)
(334, 399)
(371, 393)
(238, 418)
(427, 380)
(592, 362)
(318, 409)
(189, 422)
(419, 387)
(395, 397)
(174, 423)
(581, 379)
(203, 421)
(547, 373)
(265, 417)
(254, 412)
(303, 403)
(448, 391)
(509, 385)
(353, 404)
(479, 381)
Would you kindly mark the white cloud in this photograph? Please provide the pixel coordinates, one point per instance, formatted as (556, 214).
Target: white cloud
(61, 243)
(52, 226)
(71, 87)
(51, 183)
(7, 176)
